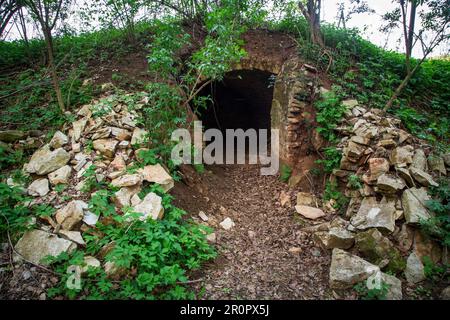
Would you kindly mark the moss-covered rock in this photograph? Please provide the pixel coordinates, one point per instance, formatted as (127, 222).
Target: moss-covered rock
(379, 250)
(12, 135)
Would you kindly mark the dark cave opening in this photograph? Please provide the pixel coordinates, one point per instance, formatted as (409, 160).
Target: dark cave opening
(242, 100)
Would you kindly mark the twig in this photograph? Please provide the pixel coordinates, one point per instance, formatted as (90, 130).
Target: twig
(190, 281)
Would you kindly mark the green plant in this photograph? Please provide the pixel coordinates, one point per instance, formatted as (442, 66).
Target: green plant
(59, 188)
(14, 215)
(200, 168)
(422, 292)
(116, 77)
(332, 159)
(160, 252)
(44, 210)
(9, 157)
(90, 181)
(332, 192)
(434, 272)
(285, 173)
(329, 113)
(89, 146)
(354, 181)
(372, 294)
(438, 226)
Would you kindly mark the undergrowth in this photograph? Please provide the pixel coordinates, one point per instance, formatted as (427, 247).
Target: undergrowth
(438, 226)
(152, 258)
(370, 74)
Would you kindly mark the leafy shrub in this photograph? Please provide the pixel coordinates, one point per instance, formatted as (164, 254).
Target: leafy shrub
(14, 215)
(354, 181)
(332, 192)
(372, 294)
(332, 159)
(329, 113)
(285, 173)
(438, 227)
(157, 255)
(434, 272)
(10, 158)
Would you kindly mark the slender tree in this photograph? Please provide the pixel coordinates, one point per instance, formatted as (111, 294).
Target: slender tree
(311, 11)
(357, 7)
(432, 31)
(47, 13)
(8, 8)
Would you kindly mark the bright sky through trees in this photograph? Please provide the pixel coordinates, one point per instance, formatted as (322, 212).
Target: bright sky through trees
(368, 23)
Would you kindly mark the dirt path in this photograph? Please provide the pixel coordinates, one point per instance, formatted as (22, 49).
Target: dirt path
(266, 255)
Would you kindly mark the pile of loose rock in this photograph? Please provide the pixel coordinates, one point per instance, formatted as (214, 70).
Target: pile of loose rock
(377, 241)
(380, 235)
(106, 139)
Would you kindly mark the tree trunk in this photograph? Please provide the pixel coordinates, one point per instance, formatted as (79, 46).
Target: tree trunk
(312, 14)
(410, 37)
(51, 65)
(402, 85)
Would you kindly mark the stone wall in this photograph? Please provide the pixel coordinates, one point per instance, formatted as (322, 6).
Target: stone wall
(294, 92)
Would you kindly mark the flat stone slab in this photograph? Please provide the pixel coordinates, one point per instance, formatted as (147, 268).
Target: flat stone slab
(37, 244)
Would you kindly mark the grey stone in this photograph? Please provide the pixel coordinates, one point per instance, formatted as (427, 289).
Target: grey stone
(45, 161)
(120, 134)
(60, 176)
(437, 164)
(90, 218)
(354, 150)
(310, 212)
(377, 167)
(419, 161)
(350, 104)
(379, 250)
(405, 238)
(74, 236)
(38, 188)
(422, 177)
(404, 174)
(445, 294)
(106, 147)
(85, 111)
(372, 214)
(390, 184)
(150, 207)
(12, 135)
(446, 158)
(78, 127)
(414, 271)
(37, 244)
(336, 237)
(90, 262)
(401, 156)
(227, 224)
(127, 180)
(394, 285)
(59, 139)
(346, 270)
(70, 215)
(123, 196)
(102, 133)
(139, 136)
(413, 202)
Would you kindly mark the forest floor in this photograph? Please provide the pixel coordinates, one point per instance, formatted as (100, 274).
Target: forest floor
(265, 255)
